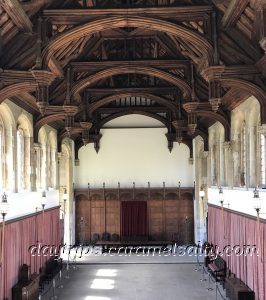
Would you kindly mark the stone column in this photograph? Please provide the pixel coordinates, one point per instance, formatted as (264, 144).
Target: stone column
(261, 131)
(197, 215)
(36, 167)
(14, 175)
(235, 144)
(59, 165)
(33, 166)
(27, 163)
(55, 169)
(200, 169)
(48, 166)
(252, 157)
(228, 166)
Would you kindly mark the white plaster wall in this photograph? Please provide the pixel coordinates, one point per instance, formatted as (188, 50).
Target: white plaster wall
(24, 203)
(239, 199)
(134, 155)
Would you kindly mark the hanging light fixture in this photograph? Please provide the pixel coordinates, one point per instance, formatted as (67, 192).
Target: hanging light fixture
(85, 137)
(43, 200)
(65, 196)
(178, 124)
(4, 206)
(192, 122)
(202, 193)
(179, 137)
(69, 123)
(215, 98)
(221, 196)
(86, 126)
(257, 201)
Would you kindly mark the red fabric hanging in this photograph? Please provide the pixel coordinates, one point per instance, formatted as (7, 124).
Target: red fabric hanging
(240, 230)
(134, 218)
(19, 237)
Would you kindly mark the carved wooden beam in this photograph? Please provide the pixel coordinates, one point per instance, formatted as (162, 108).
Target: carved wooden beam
(233, 12)
(13, 83)
(203, 46)
(263, 29)
(24, 100)
(163, 101)
(17, 14)
(77, 16)
(56, 67)
(90, 66)
(167, 44)
(218, 118)
(224, 72)
(82, 84)
(233, 98)
(145, 90)
(126, 112)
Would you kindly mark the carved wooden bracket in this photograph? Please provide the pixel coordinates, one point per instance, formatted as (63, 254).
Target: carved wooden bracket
(95, 138)
(85, 132)
(43, 79)
(170, 138)
(215, 99)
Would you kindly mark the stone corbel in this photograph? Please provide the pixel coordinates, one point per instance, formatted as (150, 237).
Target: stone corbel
(228, 145)
(234, 145)
(59, 156)
(36, 146)
(262, 129)
(205, 154)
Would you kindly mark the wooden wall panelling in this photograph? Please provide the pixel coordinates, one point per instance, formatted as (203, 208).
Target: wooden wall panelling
(170, 212)
(172, 215)
(186, 219)
(156, 216)
(83, 219)
(112, 213)
(149, 208)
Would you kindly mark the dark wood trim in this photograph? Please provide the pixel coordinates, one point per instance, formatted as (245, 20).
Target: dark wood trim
(237, 213)
(77, 16)
(31, 215)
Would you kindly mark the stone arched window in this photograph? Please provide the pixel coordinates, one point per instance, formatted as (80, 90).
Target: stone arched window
(23, 152)
(20, 159)
(243, 154)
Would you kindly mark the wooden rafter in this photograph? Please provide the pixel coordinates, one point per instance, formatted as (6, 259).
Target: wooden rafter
(17, 14)
(56, 67)
(233, 12)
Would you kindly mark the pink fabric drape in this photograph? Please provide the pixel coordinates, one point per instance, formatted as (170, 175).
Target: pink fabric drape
(19, 236)
(232, 229)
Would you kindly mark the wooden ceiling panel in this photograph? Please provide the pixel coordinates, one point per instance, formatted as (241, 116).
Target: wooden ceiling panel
(214, 40)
